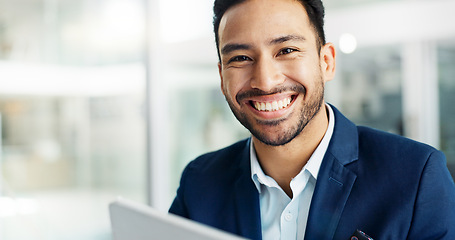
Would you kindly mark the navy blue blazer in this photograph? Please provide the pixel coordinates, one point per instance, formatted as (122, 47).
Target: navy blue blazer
(385, 185)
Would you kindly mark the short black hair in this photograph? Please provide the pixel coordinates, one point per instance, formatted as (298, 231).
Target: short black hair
(314, 9)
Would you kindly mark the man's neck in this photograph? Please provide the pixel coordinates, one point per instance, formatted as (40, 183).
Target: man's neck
(283, 163)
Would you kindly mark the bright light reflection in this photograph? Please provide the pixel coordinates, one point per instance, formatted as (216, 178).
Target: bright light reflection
(122, 19)
(348, 43)
(190, 20)
(119, 26)
(12, 207)
(39, 79)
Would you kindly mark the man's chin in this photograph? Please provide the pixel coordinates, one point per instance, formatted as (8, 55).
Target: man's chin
(275, 139)
(272, 132)
(274, 142)
(270, 122)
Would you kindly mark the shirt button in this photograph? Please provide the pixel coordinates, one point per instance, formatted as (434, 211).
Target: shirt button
(288, 217)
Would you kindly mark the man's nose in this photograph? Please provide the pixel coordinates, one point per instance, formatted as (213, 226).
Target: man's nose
(267, 75)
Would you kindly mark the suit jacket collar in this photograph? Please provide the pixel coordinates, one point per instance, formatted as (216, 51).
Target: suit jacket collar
(247, 199)
(334, 181)
(344, 144)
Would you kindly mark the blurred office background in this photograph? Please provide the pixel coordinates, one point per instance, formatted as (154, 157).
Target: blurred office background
(100, 98)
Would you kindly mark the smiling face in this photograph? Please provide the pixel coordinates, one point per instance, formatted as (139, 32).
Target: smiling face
(272, 72)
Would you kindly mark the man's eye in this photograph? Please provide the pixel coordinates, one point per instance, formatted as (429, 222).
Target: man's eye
(286, 51)
(239, 59)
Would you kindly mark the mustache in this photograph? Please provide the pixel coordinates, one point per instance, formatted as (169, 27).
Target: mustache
(258, 93)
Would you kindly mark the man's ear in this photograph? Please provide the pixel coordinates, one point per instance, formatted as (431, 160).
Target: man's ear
(328, 62)
(220, 71)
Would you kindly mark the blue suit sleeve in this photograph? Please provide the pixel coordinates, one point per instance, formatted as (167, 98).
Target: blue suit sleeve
(434, 210)
(178, 206)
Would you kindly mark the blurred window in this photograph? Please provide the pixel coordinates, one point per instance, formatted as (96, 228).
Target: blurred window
(202, 115)
(369, 86)
(350, 3)
(72, 115)
(446, 63)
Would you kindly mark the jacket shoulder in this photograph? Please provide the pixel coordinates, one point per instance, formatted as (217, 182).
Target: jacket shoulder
(381, 143)
(224, 158)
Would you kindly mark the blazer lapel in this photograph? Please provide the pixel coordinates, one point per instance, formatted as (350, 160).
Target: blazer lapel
(247, 200)
(334, 182)
(332, 190)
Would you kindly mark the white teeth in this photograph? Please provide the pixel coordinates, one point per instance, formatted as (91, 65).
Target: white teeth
(268, 106)
(280, 104)
(272, 106)
(275, 105)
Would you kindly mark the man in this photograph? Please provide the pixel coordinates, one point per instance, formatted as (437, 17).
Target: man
(307, 172)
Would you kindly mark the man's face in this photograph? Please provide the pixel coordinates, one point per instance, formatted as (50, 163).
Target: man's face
(271, 68)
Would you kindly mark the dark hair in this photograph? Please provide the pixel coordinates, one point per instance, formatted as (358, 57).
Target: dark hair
(314, 9)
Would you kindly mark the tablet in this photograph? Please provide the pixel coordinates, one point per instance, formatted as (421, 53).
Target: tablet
(134, 221)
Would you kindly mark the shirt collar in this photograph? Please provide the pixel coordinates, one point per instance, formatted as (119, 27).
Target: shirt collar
(314, 163)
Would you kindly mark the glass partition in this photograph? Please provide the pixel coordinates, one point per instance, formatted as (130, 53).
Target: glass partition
(369, 87)
(349, 3)
(72, 116)
(446, 63)
(202, 115)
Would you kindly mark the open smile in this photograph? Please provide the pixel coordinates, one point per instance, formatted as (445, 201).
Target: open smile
(271, 106)
(274, 105)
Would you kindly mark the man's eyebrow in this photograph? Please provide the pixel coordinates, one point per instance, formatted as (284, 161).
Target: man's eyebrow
(228, 48)
(286, 38)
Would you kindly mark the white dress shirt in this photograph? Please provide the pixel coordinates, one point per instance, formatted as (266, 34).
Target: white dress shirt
(282, 217)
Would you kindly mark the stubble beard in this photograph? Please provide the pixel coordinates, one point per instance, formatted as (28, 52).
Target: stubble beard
(284, 135)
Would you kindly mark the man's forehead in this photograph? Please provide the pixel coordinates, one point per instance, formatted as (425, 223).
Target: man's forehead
(266, 20)
(250, 7)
